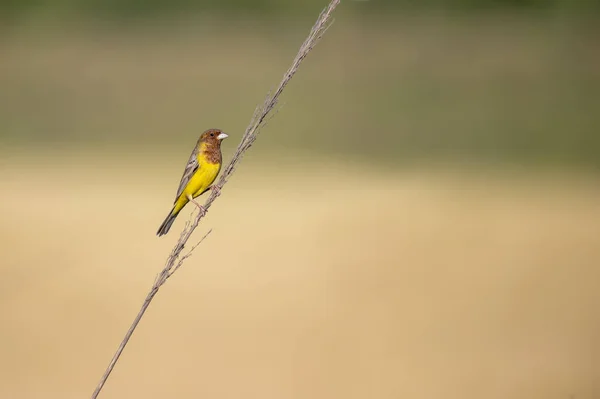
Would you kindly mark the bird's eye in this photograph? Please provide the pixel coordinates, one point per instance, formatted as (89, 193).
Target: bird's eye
(212, 135)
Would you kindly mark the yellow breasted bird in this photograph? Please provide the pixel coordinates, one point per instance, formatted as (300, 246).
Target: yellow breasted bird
(200, 172)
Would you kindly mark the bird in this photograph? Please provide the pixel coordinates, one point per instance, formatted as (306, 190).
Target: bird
(200, 172)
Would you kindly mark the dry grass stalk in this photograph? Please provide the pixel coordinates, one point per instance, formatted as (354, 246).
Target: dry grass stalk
(176, 259)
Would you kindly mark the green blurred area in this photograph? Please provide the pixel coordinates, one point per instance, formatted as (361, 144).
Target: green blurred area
(392, 81)
(129, 8)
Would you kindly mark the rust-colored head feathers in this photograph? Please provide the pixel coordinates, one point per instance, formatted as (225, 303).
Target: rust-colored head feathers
(210, 145)
(213, 136)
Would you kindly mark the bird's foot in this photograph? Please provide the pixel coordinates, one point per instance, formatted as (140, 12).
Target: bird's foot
(201, 209)
(216, 189)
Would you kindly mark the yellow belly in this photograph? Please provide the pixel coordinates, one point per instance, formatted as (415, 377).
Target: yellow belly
(198, 184)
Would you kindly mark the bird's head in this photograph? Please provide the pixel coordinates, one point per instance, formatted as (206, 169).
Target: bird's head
(213, 136)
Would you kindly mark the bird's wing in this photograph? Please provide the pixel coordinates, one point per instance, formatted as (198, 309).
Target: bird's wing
(190, 168)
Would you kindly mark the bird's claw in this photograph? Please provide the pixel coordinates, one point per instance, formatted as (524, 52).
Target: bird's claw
(216, 190)
(201, 209)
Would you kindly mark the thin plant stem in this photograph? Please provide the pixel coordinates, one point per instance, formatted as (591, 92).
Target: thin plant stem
(259, 119)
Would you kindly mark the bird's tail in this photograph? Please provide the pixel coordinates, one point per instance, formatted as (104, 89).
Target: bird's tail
(166, 225)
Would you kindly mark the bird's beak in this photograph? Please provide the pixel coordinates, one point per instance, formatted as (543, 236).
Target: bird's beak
(222, 136)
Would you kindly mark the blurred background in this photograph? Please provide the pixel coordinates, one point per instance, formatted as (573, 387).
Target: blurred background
(420, 219)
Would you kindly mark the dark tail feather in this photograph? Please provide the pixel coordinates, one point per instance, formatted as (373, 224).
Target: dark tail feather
(166, 225)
